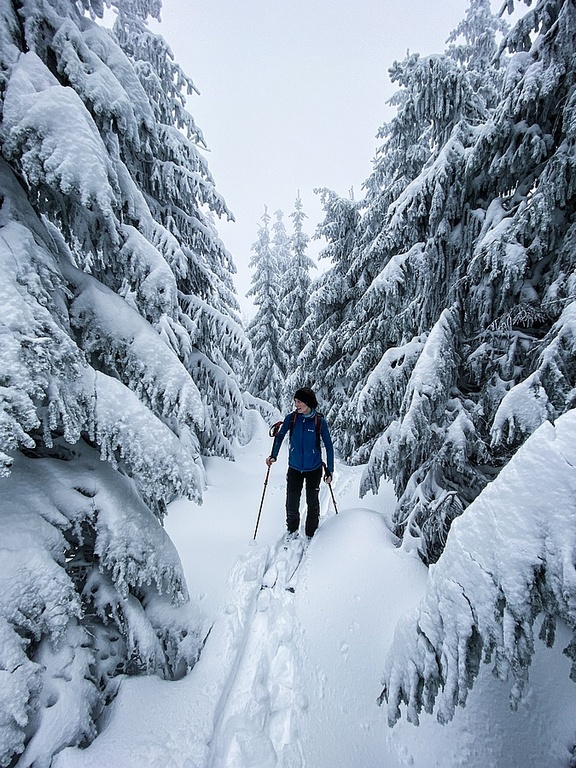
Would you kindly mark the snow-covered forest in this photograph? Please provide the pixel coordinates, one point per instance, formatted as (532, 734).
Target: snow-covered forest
(440, 338)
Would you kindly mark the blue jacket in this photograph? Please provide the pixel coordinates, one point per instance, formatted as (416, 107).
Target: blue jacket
(304, 454)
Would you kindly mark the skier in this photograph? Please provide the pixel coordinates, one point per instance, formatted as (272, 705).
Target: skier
(306, 427)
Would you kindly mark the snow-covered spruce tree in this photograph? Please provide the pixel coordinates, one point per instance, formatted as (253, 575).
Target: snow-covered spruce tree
(437, 93)
(483, 231)
(181, 195)
(114, 287)
(508, 565)
(473, 44)
(322, 363)
(281, 255)
(296, 283)
(265, 329)
(379, 317)
(528, 234)
(280, 247)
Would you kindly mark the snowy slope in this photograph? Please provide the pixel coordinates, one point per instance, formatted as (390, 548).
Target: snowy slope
(291, 679)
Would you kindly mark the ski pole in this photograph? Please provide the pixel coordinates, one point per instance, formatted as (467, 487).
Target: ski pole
(333, 499)
(273, 431)
(331, 491)
(261, 503)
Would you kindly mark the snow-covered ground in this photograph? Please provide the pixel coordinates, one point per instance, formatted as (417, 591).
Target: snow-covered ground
(291, 678)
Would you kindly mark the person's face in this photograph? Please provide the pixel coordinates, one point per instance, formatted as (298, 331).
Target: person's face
(301, 407)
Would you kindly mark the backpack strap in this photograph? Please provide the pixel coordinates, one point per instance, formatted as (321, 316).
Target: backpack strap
(318, 424)
(274, 429)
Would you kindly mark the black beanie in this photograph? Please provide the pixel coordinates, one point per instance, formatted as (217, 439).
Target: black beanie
(306, 395)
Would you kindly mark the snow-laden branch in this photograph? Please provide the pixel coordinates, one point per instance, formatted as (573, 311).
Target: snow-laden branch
(127, 345)
(508, 562)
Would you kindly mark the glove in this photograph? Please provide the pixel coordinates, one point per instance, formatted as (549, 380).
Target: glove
(327, 477)
(270, 460)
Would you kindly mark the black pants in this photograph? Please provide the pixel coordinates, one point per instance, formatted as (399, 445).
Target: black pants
(294, 483)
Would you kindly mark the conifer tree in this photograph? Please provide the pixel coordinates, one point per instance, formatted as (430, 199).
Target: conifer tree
(423, 214)
(323, 362)
(436, 98)
(265, 329)
(280, 247)
(473, 44)
(296, 291)
(120, 338)
(281, 253)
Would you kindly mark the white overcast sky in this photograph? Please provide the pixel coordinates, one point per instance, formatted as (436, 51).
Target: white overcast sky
(292, 95)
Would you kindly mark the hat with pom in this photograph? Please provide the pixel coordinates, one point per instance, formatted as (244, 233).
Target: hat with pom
(306, 395)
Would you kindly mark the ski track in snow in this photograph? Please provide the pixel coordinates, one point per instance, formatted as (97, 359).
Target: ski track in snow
(256, 718)
(237, 708)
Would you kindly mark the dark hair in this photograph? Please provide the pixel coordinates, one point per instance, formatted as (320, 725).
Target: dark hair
(306, 395)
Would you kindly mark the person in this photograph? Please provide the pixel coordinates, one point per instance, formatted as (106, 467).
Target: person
(306, 427)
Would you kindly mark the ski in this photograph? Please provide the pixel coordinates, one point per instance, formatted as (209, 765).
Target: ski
(284, 563)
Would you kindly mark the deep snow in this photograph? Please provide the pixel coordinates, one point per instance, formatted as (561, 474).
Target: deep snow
(292, 679)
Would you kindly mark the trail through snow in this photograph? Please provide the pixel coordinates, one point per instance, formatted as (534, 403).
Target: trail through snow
(257, 722)
(290, 679)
